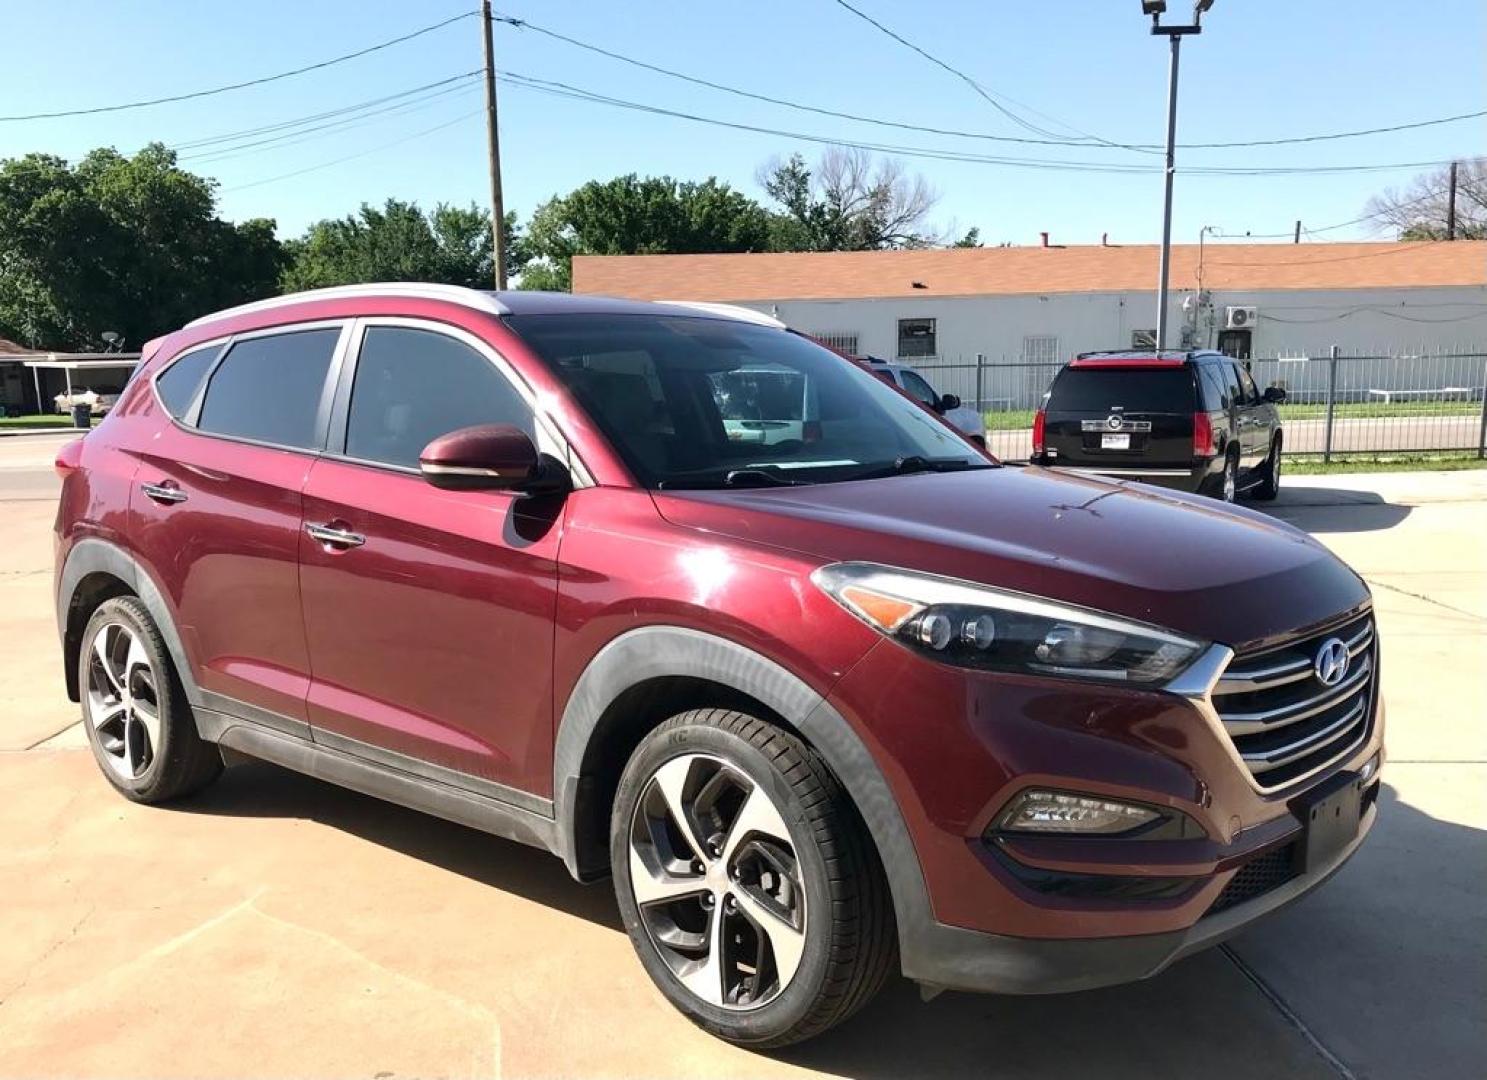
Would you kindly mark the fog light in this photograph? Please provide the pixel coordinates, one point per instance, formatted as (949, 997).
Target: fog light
(1055, 812)
(1365, 774)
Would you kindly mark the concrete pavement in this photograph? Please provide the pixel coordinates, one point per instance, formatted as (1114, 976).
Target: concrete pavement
(277, 926)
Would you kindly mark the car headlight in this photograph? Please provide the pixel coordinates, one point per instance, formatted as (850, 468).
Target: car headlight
(990, 629)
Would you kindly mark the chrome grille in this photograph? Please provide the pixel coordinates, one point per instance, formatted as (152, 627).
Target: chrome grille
(1284, 723)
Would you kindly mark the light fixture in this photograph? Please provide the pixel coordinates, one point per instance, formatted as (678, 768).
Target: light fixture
(1059, 812)
(1153, 7)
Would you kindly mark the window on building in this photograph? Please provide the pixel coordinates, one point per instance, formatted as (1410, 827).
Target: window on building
(414, 385)
(177, 384)
(1143, 339)
(916, 337)
(268, 388)
(842, 341)
(1040, 350)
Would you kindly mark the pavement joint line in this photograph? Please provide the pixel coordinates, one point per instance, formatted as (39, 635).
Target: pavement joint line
(1428, 599)
(48, 738)
(1288, 1014)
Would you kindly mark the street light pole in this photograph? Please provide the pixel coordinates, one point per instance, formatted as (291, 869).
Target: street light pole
(1166, 260)
(1174, 35)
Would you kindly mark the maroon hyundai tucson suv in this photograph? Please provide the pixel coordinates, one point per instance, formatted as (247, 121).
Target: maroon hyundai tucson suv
(852, 701)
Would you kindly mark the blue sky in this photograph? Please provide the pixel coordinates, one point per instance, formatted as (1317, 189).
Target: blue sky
(1261, 69)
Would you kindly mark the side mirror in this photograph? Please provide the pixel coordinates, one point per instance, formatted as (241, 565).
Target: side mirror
(490, 457)
(948, 402)
(1275, 394)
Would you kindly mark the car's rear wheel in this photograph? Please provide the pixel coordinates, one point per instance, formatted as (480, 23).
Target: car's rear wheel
(1269, 486)
(747, 882)
(138, 721)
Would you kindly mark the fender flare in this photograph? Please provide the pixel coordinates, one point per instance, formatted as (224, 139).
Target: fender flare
(92, 555)
(660, 651)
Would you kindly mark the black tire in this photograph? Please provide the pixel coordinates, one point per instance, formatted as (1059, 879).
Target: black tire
(850, 944)
(1269, 486)
(180, 761)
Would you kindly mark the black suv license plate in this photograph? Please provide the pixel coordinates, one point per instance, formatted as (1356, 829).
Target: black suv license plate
(1330, 816)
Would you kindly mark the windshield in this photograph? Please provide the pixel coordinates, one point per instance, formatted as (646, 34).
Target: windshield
(693, 402)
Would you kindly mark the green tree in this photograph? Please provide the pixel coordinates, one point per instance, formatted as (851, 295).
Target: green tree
(849, 202)
(399, 242)
(632, 215)
(132, 245)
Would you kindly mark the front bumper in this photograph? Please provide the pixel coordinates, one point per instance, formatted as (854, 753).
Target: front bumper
(954, 958)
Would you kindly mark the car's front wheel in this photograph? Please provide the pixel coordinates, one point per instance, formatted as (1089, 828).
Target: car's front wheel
(746, 880)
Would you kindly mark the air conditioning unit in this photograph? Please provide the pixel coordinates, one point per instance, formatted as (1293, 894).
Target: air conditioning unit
(1240, 318)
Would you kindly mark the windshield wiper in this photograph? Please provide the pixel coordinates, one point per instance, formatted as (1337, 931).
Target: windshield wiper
(915, 463)
(734, 478)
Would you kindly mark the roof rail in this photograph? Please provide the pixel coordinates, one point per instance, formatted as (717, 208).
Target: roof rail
(727, 311)
(456, 294)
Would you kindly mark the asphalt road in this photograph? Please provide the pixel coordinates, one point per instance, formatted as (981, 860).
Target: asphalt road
(277, 926)
(1352, 435)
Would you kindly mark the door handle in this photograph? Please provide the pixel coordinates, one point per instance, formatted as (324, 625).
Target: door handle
(334, 537)
(167, 491)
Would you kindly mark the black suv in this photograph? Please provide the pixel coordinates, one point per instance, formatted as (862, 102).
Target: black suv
(1190, 420)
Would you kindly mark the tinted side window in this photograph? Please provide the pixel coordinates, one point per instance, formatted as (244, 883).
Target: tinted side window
(178, 383)
(414, 385)
(1231, 383)
(919, 389)
(1247, 384)
(268, 388)
(1212, 386)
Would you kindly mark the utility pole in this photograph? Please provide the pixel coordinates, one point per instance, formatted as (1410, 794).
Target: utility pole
(1174, 34)
(1297, 238)
(1451, 206)
(493, 138)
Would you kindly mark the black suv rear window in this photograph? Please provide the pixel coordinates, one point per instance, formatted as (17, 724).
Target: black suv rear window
(1098, 390)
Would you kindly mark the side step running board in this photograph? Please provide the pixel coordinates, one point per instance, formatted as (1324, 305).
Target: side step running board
(441, 800)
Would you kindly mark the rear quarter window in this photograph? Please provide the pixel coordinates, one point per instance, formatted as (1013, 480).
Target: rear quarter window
(178, 383)
(1098, 390)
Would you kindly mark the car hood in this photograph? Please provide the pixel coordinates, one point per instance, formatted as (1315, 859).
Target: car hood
(1191, 564)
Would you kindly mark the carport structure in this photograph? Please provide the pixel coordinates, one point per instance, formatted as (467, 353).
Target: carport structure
(68, 363)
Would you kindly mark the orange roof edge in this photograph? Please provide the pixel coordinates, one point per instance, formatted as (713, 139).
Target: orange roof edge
(943, 272)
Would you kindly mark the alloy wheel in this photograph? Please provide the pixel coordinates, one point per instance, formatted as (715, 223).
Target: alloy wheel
(123, 700)
(1231, 480)
(717, 883)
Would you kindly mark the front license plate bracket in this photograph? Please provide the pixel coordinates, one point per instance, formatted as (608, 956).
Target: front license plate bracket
(1330, 816)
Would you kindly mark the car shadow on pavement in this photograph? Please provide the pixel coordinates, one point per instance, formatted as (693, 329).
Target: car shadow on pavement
(258, 789)
(1333, 510)
(1383, 965)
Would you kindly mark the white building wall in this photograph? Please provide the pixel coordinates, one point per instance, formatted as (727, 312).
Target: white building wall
(1291, 323)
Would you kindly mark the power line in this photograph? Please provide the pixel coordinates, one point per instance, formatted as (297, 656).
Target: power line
(974, 85)
(1327, 136)
(1344, 224)
(561, 89)
(358, 154)
(250, 82)
(525, 24)
(299, 121)
(295, 136)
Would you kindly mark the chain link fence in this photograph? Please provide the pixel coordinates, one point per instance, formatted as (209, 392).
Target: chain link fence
(1391, 401)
